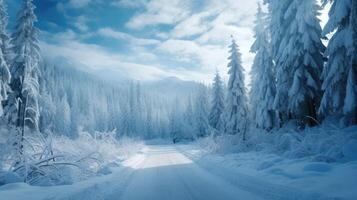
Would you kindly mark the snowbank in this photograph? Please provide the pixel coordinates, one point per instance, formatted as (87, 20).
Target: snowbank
(318, 160)
(326, 143)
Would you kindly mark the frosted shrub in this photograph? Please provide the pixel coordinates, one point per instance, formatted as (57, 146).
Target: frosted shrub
(325, 143)
(208, 143)
(221, 144)
(57, 160)
(37, 163)
(101, 148)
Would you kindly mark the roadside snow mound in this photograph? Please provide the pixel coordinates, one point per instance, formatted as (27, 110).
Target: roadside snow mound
(325, 143)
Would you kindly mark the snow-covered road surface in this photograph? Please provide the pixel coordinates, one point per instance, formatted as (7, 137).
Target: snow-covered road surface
(161, 172)
(165, 173)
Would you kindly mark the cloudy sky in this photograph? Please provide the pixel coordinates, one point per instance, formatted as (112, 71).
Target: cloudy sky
(144, 39)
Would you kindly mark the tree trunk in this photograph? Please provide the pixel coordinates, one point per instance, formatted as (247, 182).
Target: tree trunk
(281, 120)
(20, 124)
(311, 118)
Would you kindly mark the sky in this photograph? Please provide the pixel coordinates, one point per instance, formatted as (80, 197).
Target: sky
(145, 39)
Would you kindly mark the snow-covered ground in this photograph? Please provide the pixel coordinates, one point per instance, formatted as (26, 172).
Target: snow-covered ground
(186, 171)
(320, 160)
(276, 177)
(158, 172)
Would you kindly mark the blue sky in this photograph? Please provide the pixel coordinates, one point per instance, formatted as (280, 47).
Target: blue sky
(144, 39)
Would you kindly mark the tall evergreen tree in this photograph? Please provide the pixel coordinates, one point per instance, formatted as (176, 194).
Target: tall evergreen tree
(201, 112)
(279, 22)
(148, 122)
(217, 108)
(263, 82)
(236, 108)
(189, 119)
(4, 36)
(339, 74)
(175, 122)
(4, 57)
(133, 108)
(304, 51)
(23, 101)
(297, 52)
(63, 116)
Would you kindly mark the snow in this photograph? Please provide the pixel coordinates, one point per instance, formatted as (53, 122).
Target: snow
(9, 177)
(187, 171)
(281, 177)
(350, 150)
(168, 174)
(320, 160)
(158, 172)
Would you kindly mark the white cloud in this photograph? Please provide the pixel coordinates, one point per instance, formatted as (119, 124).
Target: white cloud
(108, 32)
(63, 36)
(211, 24)
(193, 25)
(212, 27)
(78, 3)
(97, 59)
(130, 3)
(81, 23)
(160, 12)
(204, 58)
(187, 50)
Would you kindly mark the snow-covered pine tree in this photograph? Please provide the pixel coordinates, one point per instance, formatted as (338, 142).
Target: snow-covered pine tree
(339, 75)
(75, 113)
(217, 108)
(201, 112)
(4, 36)
(175, 123)
(262, 92)
(189, 120)
(47, 111)
(236, 102)
(297, 52)
(133, 114)
(4, 57)
(47, 108)
(279, 21)
(304, 53)
(25, 72)
(63, 116)
(140, 117)
(25, 68)
(125, 120)
(148, 122)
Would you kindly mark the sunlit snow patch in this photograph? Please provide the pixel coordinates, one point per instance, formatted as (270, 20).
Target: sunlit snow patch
(157, 158)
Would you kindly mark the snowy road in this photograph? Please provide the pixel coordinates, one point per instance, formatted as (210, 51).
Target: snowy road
(165, 173)
(161, 172)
